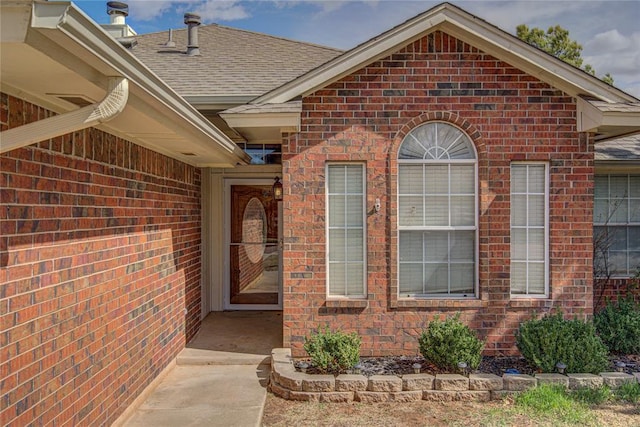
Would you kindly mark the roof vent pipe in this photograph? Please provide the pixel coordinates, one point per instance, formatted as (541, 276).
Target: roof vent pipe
(192, 20)
(170, 42)
(117, 11)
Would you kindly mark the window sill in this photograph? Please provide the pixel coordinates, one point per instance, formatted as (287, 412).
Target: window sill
(530, 302)
(347, 303)
(438, 303)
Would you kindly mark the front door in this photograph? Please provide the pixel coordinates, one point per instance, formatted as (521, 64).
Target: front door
(253, 246)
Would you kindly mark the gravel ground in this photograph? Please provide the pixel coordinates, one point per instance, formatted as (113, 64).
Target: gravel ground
(490, 365)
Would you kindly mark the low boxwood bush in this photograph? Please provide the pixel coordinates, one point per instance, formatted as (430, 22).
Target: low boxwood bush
(333, 352)
(447, 343)
(552, 339)
(618, 325)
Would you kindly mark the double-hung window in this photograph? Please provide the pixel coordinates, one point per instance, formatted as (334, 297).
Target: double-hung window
(529, 230)
(616, 220)
(346, 231)
(437, 213)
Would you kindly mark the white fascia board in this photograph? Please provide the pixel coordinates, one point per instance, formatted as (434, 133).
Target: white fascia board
(62, 21)
(589, 118)
(263, 120)
(468, 28)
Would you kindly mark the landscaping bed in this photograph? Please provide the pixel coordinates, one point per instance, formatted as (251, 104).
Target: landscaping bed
(402, 365)
(289, 383)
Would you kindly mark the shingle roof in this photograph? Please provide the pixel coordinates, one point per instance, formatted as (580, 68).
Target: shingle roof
(233, 62)
(627, 148)
(617, 107)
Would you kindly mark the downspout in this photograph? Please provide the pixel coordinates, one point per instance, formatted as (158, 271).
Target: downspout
(91, 115)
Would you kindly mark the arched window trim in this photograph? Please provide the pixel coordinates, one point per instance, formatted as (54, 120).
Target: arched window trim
(461, 133)
(441, 228)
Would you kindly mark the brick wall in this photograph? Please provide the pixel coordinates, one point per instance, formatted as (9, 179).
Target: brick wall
(99, 258)
(614, 290)
(510, 116)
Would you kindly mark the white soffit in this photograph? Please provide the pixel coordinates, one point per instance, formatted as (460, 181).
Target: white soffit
(53, 48)
(267, 122)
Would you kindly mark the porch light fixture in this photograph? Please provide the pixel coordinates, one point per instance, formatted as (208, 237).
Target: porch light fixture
(277, 188)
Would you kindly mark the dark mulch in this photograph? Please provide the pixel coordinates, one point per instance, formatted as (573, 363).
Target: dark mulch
(402, 365)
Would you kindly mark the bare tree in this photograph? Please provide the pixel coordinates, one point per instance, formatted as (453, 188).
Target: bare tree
(602, 266)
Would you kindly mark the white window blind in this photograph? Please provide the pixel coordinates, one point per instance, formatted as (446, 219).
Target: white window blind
(437, 217)
(346, 230)
(529, 197)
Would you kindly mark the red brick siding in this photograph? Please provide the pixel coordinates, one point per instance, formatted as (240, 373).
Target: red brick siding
(616, 289)
(99, 258)
(510, 116)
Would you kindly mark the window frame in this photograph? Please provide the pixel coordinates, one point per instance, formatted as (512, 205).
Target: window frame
(476, 228)
(608, 224)
(329, 295)
(528, 295)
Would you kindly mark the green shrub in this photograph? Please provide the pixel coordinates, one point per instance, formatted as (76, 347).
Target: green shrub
(447, 343)
(552, 339)
(619, 326)
(333, 352)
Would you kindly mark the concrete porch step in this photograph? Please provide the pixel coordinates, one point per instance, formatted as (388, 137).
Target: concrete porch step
(195, 356)
(234, 338)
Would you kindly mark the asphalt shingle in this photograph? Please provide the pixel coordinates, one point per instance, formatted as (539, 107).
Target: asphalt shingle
(627, 148)
(233, 62)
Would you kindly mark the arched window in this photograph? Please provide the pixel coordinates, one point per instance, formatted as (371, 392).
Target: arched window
(437, 214)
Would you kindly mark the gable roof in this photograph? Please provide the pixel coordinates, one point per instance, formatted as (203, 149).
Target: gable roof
(236, 65)
(466, 27)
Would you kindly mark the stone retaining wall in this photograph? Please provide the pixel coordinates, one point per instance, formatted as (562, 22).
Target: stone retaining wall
(290, 384)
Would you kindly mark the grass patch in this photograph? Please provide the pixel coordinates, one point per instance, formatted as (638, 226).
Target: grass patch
(629, 392)
(593, 396)
(552, 403)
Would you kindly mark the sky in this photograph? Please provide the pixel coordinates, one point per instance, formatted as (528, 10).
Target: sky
(609, 30)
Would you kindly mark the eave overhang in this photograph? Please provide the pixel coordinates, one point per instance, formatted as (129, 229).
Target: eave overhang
(608, 120)
(264, 123)
(51, 49)
(466, 27)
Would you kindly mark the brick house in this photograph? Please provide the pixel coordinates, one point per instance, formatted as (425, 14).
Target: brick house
(443, 166)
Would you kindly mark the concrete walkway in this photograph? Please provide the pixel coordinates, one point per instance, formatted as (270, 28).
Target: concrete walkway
(220, 378)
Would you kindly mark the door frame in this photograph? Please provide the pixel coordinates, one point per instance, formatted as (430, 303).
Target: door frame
(226, 293)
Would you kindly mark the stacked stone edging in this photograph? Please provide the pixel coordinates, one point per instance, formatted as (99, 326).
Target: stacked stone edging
(289, 384)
